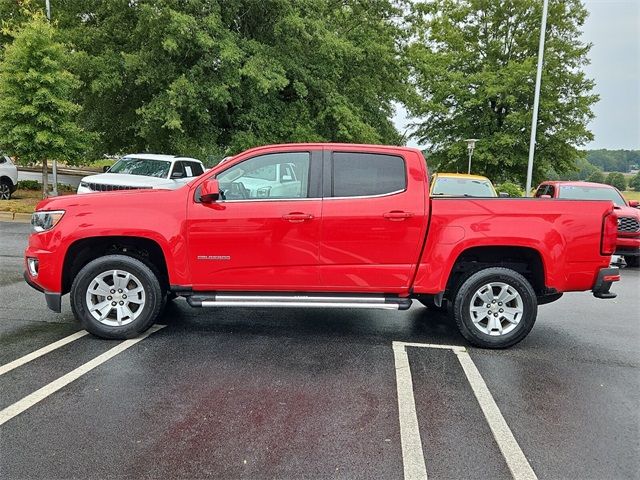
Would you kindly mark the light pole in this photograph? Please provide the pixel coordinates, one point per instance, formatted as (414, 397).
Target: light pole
(54, 190)
(536, 98)
(471, 144)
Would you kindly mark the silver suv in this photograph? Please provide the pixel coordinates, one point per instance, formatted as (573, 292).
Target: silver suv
(8, 177)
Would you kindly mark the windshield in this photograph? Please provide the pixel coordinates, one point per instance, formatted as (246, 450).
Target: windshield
(591, 193)
(142, 166)
(463, 187)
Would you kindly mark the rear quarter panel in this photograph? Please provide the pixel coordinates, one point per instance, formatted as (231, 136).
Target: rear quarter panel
(566, 234)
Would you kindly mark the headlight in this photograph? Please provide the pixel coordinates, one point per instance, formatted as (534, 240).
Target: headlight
(43, 221)
(84, 184)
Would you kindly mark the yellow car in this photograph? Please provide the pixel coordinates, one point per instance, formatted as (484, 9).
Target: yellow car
(461, 185)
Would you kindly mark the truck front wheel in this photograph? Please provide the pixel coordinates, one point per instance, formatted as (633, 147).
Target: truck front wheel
(116, 297)
(495, 308)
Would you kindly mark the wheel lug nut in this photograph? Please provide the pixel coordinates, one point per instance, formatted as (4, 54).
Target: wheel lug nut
(488, 305)
(501, 310)
(109, 297)
(119, 290)
(500, 304)
(495, 314)
(121, 303)
(124, 296)
(113, 291)
(113, 303)
(493, 301)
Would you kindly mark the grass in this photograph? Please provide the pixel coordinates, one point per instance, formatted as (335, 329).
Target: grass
(101, 163)
(631, 195)
(23, 201)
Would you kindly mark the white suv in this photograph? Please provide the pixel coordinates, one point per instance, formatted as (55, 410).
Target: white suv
(8, 177)
(140, 171)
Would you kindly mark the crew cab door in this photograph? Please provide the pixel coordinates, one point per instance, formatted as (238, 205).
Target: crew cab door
(258, 236)
(374, 220)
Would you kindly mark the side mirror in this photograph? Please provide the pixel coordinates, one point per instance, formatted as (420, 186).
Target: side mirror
(504, 195)
(177, 175)
(634, 203)
(105, 169)
(545, 196)
(210, 191)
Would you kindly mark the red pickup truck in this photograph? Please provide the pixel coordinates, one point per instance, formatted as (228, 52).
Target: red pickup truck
(318, 225)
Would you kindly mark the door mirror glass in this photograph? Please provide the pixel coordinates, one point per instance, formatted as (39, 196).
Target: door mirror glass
(210, 191)
(504, 195)
(105, 169)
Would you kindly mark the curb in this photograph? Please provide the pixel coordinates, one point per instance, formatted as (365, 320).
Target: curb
(15, 217)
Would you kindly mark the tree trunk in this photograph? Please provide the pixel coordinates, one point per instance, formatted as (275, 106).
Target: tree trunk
(45, 178)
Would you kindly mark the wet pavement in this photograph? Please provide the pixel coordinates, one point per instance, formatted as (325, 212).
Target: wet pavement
(292, 393)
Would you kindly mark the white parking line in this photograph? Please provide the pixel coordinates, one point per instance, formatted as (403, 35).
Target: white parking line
(7, 367)
(511, 451)
(412, 456)
(42, 393)
(412, 451)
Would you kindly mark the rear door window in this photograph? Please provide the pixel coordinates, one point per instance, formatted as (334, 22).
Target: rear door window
(367, 174)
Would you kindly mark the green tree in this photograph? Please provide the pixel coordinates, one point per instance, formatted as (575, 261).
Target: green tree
(597, 176)
(37, 114)
(513, 189)
(473, 66)
(634, 183)
(616, 179)
(209, 78)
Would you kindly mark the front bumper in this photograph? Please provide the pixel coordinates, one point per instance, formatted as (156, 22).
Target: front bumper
(54, 300)
(628, 246)
(606, 277)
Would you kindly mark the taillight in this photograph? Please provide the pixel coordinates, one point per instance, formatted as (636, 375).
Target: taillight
(609, 234)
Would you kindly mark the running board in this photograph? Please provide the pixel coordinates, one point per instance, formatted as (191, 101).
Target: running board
(292, 300)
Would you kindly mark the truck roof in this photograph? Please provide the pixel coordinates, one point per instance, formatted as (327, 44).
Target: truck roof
(461, 175)
(575, 183)
(342, 146)
(156, 156)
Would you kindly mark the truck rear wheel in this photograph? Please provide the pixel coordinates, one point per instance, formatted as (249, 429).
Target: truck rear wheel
(116, 297)
(495, 308)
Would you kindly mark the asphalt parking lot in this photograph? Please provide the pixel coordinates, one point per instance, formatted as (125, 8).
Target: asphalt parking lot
(288, 393)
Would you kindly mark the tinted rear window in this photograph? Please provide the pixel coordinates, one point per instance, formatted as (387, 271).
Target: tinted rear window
(364, 174)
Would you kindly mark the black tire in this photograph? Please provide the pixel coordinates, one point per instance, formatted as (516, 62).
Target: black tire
(6, 189)
(154, 296)
(632, 261)
(465, 294)
(428, 302)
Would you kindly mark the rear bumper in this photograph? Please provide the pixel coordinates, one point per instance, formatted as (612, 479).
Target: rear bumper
(606, 277)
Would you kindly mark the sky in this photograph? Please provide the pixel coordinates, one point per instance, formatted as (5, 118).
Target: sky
(613, 27)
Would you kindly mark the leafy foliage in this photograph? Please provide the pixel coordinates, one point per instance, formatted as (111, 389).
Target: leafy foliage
(616, 179)
(37, 114)
(597, 176)
(634, 183)
(209, 78)
(511, 188)
(614, 160)
(473, 66)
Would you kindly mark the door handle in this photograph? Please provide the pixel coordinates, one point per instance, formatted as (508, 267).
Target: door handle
(397, 216)
(297, 217)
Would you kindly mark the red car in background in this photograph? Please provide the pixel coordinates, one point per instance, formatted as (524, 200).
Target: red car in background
(628, 244)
